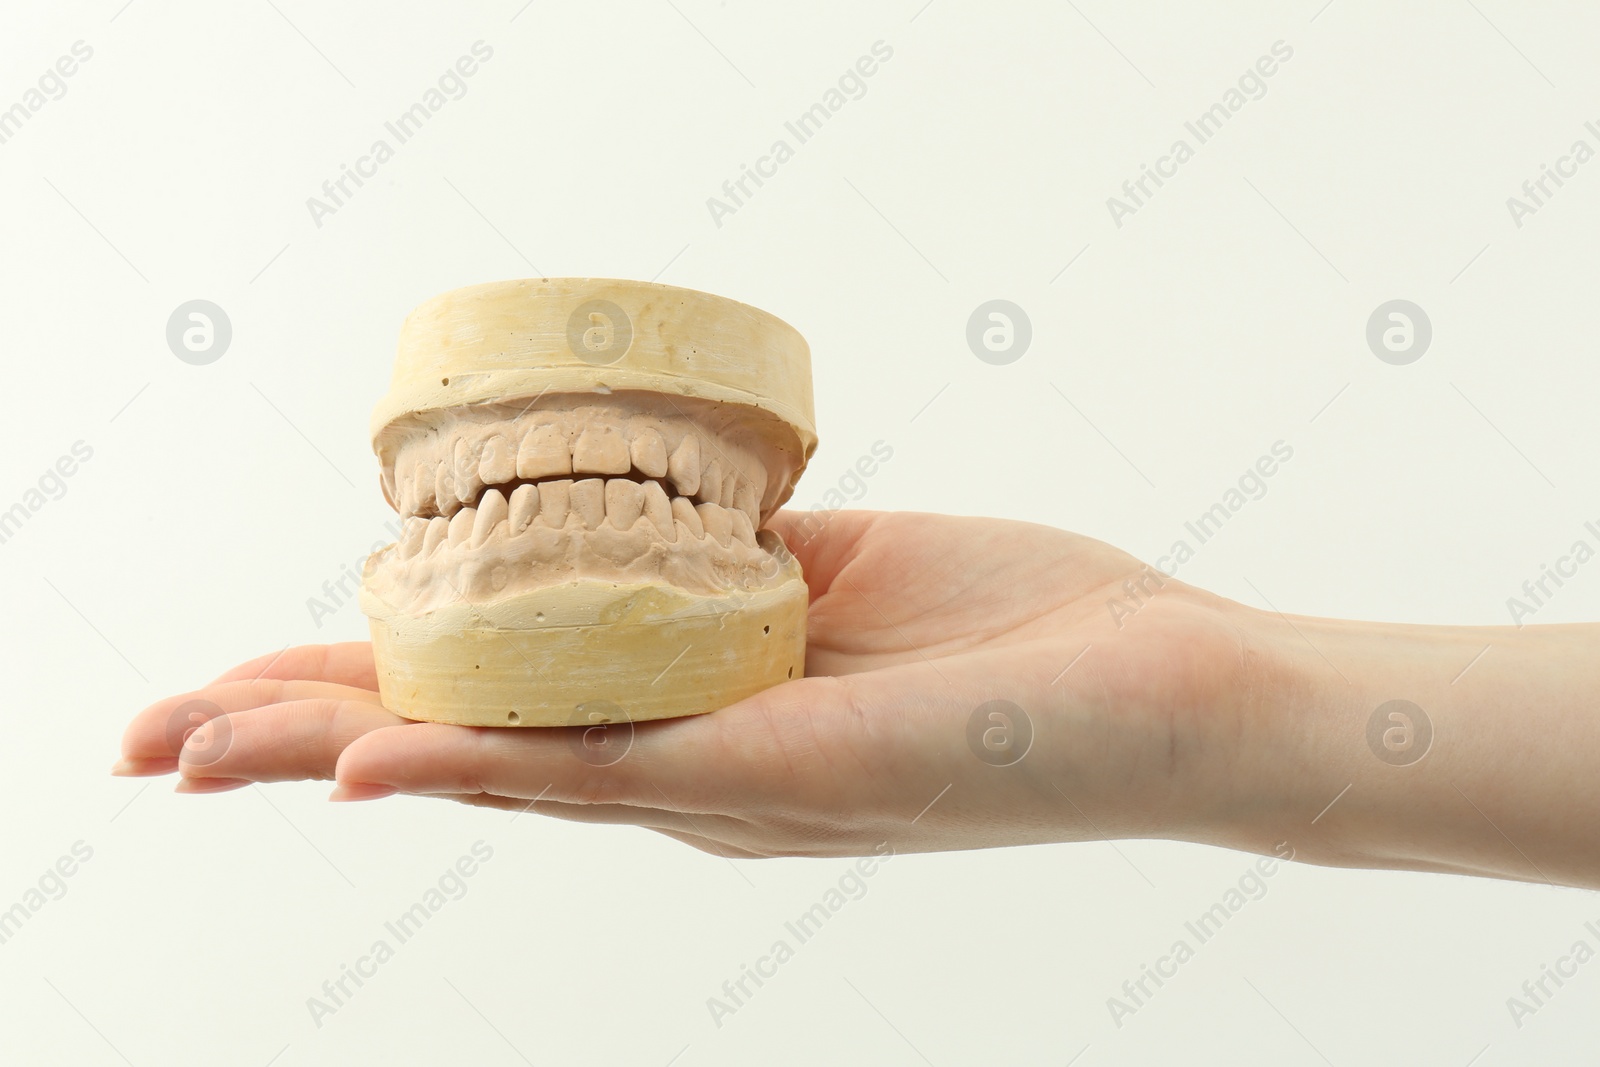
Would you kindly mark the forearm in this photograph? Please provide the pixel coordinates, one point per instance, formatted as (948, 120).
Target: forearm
(1508, 785)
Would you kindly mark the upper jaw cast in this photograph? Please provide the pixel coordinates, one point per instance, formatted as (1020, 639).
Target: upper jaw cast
(449, 458)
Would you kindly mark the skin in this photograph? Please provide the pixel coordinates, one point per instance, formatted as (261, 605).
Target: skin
(1191, 718)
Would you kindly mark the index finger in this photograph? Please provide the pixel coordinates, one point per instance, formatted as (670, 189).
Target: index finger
(348, 663)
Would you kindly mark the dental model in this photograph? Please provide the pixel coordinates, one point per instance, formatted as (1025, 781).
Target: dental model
(583, 467)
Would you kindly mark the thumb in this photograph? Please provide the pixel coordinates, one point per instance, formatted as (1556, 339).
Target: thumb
(823, 541)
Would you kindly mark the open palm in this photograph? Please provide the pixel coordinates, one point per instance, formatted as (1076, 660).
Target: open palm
(921, 630)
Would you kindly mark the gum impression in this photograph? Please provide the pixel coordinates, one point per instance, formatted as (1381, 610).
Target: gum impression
(499, 499)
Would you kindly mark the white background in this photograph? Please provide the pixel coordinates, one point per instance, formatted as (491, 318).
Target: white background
(1226, 314)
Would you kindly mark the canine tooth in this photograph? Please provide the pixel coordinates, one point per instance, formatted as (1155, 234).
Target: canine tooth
(492, 511)
(600, 450)
(555, 500)
(499, 463)
(717, 523)
(685, 513)
(411, 537)
(543, 453)
(438, 529)
(684, 465)
(461, 525)
(650, 453)
(744, 500)
(524, 507)
(466, 471)
(710, 482)
(589, 501)
(624, 502)
(741, 525)
(658, 509)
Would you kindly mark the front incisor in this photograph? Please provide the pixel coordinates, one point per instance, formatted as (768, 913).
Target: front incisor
(544, 453)
(624, 503)
(600, 450)
(589, 501)
(555, 500)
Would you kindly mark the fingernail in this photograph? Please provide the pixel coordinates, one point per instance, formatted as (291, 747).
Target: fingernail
(144, 767)
(209, 785)
(361, 791)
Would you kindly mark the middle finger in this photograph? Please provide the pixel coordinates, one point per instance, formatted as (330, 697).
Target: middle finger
(289, 741)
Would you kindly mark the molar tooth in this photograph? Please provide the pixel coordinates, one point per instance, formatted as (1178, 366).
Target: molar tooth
(658, 509)
(418, 488)
(466, 472)
(555, 500)
(524, 507)
(745, 500)
(461, 525)
(434, 535)
(624, 502)
(684, 465)
(685, 513)
(741, 526)
(650, 453)
(600, 450)
(404, 495)
(499, 464)
(589, 501)
(717, 523)
(411, 537)
(543, 453)
(492, 511)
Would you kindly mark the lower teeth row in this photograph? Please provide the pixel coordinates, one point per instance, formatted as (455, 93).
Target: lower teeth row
(590, 503)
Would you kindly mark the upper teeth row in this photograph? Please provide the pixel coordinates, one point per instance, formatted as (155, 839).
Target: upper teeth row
(438, 473)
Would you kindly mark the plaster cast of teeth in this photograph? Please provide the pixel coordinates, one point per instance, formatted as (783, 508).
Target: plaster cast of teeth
(583, 467)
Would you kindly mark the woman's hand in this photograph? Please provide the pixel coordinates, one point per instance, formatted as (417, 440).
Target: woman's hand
(969, 684)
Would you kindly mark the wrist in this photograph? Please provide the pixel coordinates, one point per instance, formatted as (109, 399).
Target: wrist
(1430, 748)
